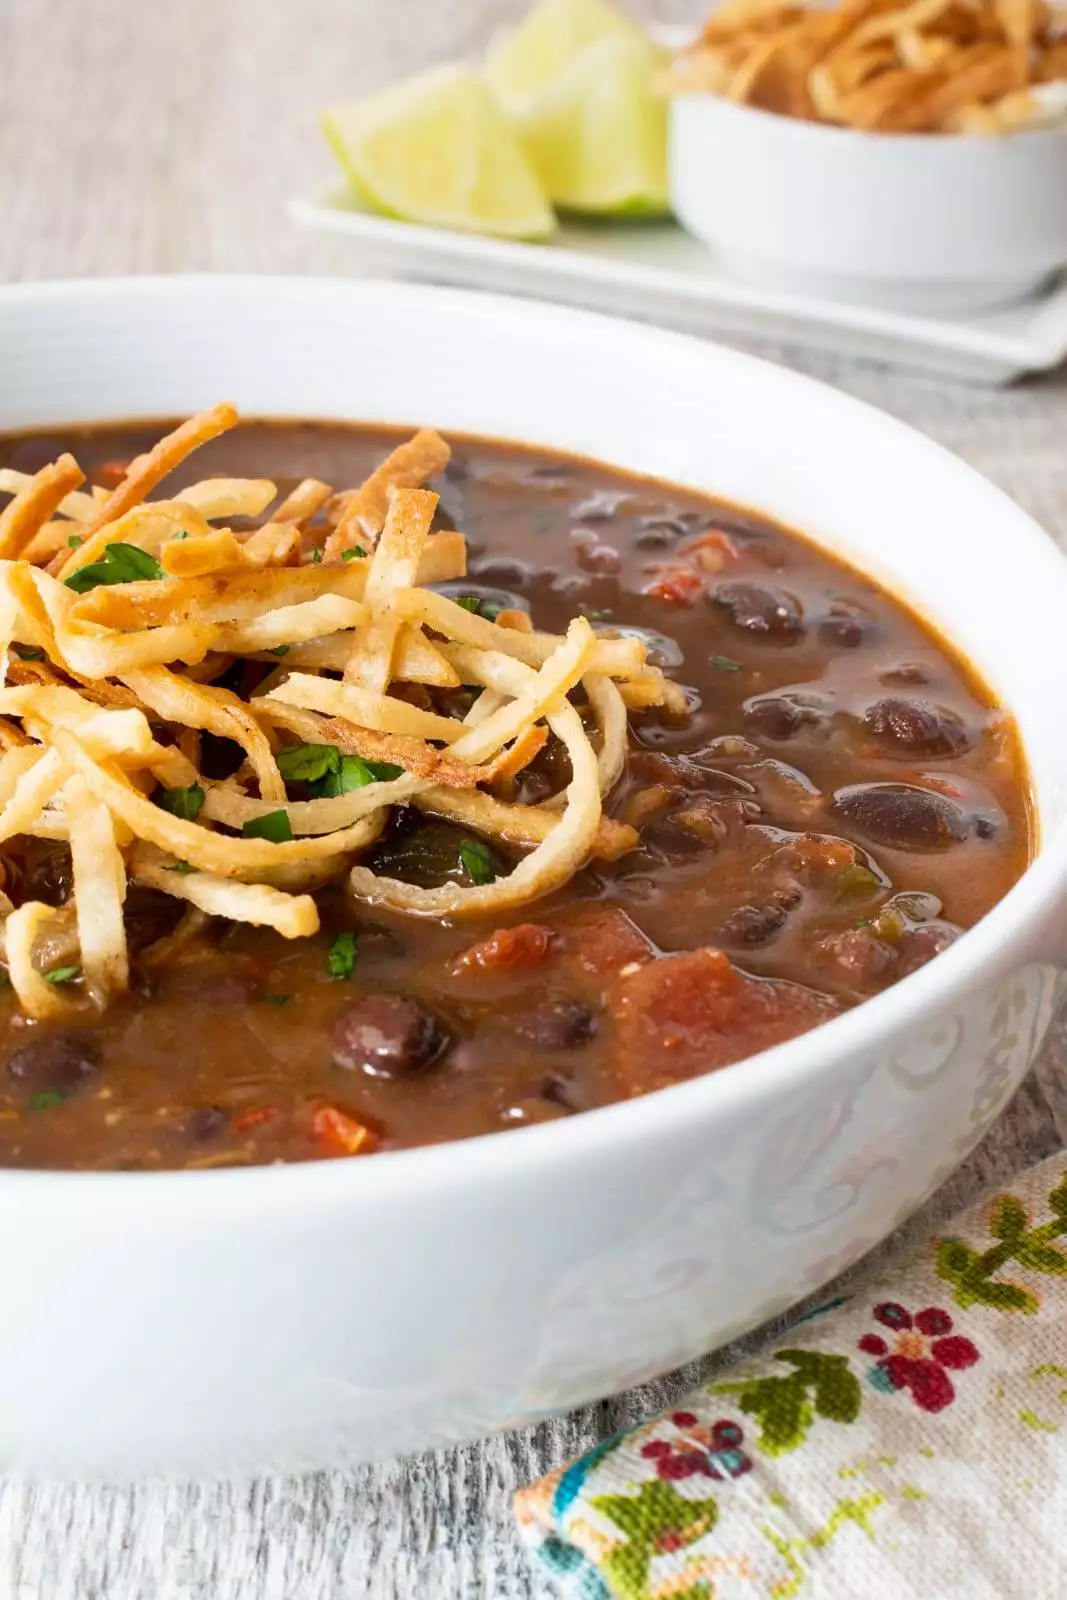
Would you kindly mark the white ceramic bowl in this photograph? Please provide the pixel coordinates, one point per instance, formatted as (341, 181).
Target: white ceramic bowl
(292, 1317)
(921, 222)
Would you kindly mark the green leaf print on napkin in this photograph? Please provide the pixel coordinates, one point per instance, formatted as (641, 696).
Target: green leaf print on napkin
(820, 1385)
(655, 1521)
(971, 1272)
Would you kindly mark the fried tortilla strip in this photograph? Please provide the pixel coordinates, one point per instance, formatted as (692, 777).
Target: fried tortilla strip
(526, 826)
(293, 916)
(76, 505)
(99, 893)
(393, 567)
(364, 510)
(230, 497)
(363, 708)
(144, 473)
(188, 841)
(215, 710)
(38, 998)
(218, 550)
(32, 791)
(35, 503)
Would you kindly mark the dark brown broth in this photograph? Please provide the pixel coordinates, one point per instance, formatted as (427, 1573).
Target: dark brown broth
(224, 1059)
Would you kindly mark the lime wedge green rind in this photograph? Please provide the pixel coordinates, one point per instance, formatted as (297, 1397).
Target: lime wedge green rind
(597, 134)
(437, 149)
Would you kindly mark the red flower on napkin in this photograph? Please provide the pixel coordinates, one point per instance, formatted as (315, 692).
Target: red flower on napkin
(920, 1356)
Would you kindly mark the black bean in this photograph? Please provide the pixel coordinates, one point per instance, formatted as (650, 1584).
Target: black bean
(915, 727)
(986, 828)
(752, 925)
(773, 717)
(601, 558)
(902, 817)
(907, 672)
(500, 572)
(49, 873)
(224, 992)
(657, 536)
(203, 1124)
(387, 1036)
(557, 1024)
(757, 608)
(56, 1061)
(845, 630)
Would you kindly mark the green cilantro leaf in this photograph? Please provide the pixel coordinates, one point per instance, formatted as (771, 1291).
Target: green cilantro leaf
(75, 541)
(274, 826)
(183, 867)
(478, 861)
(304, 763)
(353, 773)
(121, 563)
(316, 555)
(594, 613)
(724, 664)
(46, 1098)
(280, 650)
(489, 609)
(276, 999)
(182, 533)
(183, 803)
(341, 960)
(62, 974)
(27, 652)
(351, 555)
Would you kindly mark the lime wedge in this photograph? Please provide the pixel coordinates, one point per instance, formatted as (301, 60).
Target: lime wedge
(437, 149)
(523, 63)
(597, 134)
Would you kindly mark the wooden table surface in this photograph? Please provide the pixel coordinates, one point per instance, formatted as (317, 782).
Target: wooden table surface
(165, 136)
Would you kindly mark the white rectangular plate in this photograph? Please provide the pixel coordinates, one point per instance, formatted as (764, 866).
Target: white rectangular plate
(655, 272)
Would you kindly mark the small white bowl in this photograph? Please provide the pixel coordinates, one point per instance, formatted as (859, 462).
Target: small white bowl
(919, 222)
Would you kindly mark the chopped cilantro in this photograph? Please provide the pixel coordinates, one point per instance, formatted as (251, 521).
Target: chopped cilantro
(183, 867)
(304, 763)
(478, 861)
(183, 803)
(62, 974)
(280, 650)
(76, 541)
(276, 999)
(724, 664)
(121, 563)
(594, 613)
(182, 533)
(341, 960)
(357, 550)
(27, 652)
(44, 1099)
(316, 555)
(352, 773)
(274, 826)
(489, 609)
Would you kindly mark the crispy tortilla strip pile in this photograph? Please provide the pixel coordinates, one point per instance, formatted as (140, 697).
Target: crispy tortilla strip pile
(931, 66)
(118, 616)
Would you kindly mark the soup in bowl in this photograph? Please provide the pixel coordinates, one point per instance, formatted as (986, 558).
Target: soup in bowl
(600, 761)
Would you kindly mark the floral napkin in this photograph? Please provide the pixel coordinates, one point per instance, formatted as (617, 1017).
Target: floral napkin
(905, 1442)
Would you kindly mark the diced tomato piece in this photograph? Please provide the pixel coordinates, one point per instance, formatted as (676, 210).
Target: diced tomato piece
(681, 586)
(719, 547)
(255, 1117)
(604, 939)
(530, 944)
(341, 1134)
(688, 1014)
(109, 474)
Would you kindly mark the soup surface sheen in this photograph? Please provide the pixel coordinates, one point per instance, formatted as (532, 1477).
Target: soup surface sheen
(844, 799)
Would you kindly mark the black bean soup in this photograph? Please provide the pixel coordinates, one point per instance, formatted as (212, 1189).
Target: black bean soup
(843, 798)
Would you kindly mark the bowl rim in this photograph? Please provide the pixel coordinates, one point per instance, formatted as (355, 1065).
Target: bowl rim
(405, 1175)
(964, 145)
